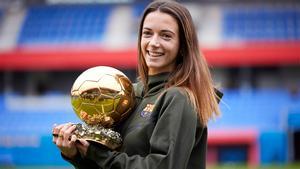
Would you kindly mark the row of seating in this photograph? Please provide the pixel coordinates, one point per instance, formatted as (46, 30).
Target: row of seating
(262, 110)
(33, 124)
(258, 109)
(64, 23)
(250, 121)
(261, 24)
(1, 16)
(88, 23)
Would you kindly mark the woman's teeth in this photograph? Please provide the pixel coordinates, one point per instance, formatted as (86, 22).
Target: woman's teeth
(155, 54)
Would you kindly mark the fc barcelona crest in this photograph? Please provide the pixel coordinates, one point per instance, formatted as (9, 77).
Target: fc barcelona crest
(147, 111)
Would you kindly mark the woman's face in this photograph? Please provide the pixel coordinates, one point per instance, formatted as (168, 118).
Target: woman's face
(160, 42)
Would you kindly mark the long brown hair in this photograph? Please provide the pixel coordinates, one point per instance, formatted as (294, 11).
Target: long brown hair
(191, 72)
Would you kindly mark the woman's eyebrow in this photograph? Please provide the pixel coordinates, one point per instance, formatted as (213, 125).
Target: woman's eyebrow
(146, 28)
(168, 31)
(163, 31)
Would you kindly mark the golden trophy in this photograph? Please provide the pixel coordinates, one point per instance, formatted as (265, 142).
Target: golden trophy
(101, 97)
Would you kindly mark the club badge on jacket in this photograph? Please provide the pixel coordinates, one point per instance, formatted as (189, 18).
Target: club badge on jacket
(147, 111)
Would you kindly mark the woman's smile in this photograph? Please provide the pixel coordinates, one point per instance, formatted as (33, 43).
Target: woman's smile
(155, 54)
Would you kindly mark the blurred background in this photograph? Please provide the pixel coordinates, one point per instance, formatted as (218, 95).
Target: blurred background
(252, 47)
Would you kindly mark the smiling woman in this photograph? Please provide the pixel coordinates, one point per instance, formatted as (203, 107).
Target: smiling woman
(175, 100)
(160, 42)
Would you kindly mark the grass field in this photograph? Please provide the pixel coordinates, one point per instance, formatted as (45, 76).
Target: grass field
(227, 166)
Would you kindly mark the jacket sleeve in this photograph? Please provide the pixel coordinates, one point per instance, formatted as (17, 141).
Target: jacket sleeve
(80, 162)
(171, 142)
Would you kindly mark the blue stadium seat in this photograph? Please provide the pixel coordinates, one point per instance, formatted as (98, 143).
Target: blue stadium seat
(261, 23)
(261, 109)
(38, 124)
(275, 152)
(2, 106)
(138, 9)
(1, 16)
(59, 24)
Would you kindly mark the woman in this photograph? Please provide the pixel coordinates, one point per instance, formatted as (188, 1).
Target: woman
(175, 96)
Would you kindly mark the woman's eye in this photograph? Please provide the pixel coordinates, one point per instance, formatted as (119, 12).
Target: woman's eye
(146, 33)
(167, 37)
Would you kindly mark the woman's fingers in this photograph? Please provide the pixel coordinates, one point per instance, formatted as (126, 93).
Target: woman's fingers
(55, 132)
(67, 132)
(84, 142)
(67, 142)
(56, 129)
(73, 139)
(62, 133)
(82, 146)
(64, 139)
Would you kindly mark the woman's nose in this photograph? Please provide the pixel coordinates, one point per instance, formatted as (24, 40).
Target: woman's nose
(154, 41)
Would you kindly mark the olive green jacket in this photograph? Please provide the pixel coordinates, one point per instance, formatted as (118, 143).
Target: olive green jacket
(163, 132)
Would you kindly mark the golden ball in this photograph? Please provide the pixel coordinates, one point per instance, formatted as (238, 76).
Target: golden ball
(102, 95)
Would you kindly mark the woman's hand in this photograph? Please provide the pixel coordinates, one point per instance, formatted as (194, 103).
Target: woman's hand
(64, 140)
(68, 143)
(82, 146)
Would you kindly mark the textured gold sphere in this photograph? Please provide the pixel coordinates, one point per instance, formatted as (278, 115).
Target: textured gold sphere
(102, 95)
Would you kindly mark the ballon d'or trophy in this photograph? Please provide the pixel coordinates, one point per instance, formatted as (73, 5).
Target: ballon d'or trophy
(101, 97)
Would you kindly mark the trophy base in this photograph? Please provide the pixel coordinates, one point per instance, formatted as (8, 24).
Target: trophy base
(99, 134)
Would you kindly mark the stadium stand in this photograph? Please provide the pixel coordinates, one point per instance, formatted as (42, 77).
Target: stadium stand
(255, 108)
(234, 145)
(1, 16)
(60, 24)
(255, 116)
(261, 23)
(252, 119)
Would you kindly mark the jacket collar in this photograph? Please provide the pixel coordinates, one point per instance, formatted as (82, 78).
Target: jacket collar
(155, 84)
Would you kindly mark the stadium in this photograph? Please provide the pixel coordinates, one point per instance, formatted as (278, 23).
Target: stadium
(252, 48)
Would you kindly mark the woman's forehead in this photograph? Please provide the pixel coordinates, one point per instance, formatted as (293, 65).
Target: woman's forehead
(159, 19)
